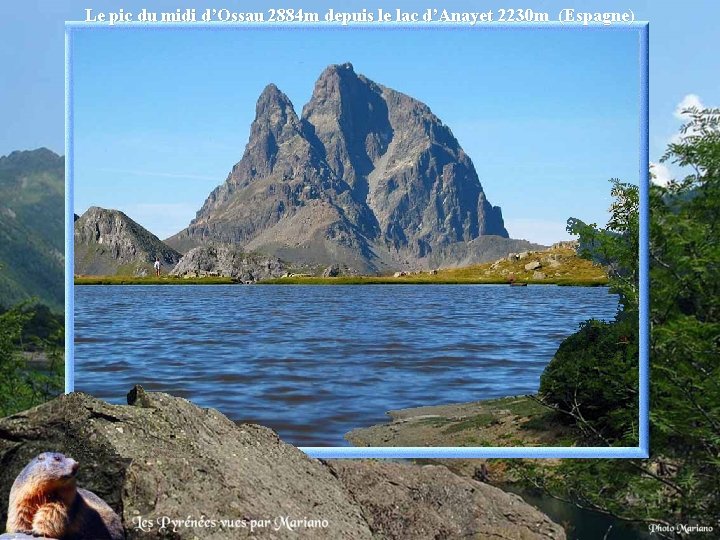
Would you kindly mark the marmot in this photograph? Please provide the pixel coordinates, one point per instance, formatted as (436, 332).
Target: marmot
(45, 501)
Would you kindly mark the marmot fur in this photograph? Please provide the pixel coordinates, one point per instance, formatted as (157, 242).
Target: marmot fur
(45, 501)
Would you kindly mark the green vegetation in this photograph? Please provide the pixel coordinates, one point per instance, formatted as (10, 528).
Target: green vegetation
(23, 382)
(564, 267)
(479, 421)
(590, 381)
(31, 228)
(512, 421)
(151, 280)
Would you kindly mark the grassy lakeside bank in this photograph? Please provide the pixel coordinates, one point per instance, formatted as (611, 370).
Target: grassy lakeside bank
(559, 266)
(422, 280)
(520, 421)
(151, 280)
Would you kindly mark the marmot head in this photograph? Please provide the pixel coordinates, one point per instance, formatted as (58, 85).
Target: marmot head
(54, 468)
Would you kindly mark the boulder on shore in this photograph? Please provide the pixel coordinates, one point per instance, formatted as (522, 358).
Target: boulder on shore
(163, 458)
(228, 261)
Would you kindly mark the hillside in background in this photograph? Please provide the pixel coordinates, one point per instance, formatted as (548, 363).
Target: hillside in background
(31, 227)
(108, 242)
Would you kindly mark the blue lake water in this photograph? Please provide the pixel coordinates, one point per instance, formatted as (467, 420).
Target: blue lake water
(314, 362)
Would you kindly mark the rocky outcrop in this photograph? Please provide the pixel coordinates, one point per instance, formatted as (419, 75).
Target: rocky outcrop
(228, 261)
(367, 177)
(163, 458)
(108, 242)
(400, 501)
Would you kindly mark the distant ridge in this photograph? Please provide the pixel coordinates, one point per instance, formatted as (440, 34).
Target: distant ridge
(366, 177)
(31, 227)
(108, 242)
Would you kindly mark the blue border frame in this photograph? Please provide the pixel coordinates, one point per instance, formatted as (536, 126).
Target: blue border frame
(326, 452)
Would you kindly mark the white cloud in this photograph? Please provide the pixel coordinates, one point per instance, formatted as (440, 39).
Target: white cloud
(662, 175)
(688, 102)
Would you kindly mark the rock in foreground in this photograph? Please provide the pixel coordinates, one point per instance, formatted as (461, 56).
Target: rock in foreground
(401, 501)
(164, 459)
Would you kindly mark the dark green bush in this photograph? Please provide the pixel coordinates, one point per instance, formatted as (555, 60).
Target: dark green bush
(23, 386)
(594, 376)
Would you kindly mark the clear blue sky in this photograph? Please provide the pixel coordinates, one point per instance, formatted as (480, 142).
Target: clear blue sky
(683, 61)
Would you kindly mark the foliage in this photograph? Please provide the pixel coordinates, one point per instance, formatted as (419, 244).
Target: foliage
(594, 377)
(617, 244)
(23, 386)
(31, 227)
(680, 481)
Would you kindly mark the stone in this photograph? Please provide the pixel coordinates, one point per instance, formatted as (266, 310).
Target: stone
(331, 271)
(228, 261)
(566, 244)
(533, 265)
(163, 456)
(403, 501)
(523, 255)
(538, 275)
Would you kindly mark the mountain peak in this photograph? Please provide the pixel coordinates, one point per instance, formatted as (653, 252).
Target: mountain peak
(38, 159)
(108, 239)
(369, 177)
(274, 106)
(347, 67)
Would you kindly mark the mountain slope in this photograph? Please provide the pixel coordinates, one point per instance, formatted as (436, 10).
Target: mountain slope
(108, 242)
(367, 177)
(31, 227)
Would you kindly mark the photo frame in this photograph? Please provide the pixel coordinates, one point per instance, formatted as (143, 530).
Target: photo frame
(641, 30)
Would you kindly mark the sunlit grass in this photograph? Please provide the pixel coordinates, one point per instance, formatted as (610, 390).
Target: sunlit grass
(151, 280)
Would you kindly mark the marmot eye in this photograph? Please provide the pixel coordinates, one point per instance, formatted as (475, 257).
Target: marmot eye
(57, 458)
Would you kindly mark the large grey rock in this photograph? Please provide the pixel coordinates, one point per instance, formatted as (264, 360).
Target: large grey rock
(228, 261)
(404, 501)
(166, 457)
(108, 242)
(534, 265)
(367, 177)
(163, 457)
(331, 271)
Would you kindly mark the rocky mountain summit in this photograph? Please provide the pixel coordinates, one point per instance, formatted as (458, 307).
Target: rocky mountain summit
(163, 458)
(366, 177)
(108, 242)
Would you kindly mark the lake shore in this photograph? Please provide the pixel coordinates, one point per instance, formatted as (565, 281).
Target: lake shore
(502, 422)
(152, 280)
(558, 266)
(521, 421)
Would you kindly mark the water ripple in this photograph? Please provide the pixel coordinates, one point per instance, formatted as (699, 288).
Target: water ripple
(315, 362)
